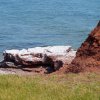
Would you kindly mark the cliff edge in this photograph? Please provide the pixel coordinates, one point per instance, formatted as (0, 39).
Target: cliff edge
(88, 55)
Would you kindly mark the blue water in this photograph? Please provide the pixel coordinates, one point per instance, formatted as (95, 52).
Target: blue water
(30, 23)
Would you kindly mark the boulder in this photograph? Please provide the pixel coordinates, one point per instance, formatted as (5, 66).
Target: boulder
(88, 55)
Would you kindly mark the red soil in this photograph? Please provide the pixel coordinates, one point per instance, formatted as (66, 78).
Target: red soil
(88, 55)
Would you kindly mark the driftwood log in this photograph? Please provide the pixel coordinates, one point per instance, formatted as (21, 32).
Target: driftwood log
(53, 56)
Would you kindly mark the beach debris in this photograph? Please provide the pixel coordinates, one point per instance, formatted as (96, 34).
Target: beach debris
(52, 57)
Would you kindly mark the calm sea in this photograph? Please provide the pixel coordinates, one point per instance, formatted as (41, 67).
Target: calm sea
(30, 23)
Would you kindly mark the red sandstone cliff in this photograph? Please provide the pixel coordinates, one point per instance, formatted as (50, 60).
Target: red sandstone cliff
(88, 55)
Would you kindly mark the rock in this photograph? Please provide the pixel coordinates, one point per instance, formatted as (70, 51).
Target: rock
(88, 55)
(54, 56)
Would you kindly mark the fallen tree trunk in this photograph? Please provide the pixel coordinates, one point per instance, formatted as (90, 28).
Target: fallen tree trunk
(54, 56)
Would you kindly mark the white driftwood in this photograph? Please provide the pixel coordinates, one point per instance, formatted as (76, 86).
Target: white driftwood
(40, 55)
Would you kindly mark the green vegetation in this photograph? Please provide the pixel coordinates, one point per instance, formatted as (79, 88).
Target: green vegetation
(84, 86)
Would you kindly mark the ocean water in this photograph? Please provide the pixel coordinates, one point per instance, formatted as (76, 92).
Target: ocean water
(30, 23)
